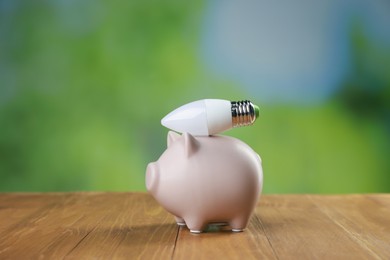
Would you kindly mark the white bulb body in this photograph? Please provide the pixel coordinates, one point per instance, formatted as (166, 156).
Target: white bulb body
(201, 118)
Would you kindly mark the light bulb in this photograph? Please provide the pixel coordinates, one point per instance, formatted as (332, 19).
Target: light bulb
(211, 116)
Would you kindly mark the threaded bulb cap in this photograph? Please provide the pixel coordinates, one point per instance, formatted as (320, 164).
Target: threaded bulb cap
(244, 113)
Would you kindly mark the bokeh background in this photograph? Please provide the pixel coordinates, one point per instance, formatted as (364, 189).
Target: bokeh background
(84, 85)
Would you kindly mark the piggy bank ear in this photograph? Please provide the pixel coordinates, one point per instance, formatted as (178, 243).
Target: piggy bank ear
(191, 145)
(172, 137)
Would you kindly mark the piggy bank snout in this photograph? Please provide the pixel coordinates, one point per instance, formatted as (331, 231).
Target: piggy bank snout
(151, 176)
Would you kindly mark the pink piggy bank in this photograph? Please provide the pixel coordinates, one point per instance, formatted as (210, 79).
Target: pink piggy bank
(204, 180)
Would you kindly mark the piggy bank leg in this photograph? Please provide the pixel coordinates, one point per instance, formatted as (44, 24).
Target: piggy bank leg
(195, 225)
(239, 223)
(180, 221)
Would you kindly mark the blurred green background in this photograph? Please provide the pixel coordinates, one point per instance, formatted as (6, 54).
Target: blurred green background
(84, 85)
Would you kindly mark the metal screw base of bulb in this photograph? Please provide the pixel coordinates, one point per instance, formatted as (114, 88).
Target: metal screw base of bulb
(243, 113)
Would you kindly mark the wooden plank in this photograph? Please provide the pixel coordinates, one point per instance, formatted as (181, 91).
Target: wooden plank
(15, 207)
(136, 227)
(366, 221)
(93, 225)
(29, 237)
(220, 241)
(133, 225)
(298, 229)
(382, 199)
(77, 220)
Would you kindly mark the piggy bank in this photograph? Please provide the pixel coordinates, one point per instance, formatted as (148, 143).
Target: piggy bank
(205, 180)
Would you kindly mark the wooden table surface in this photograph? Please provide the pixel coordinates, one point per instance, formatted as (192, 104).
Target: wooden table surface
(133, 225)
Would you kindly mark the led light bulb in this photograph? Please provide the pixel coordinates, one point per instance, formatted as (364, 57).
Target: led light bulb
(211, 116)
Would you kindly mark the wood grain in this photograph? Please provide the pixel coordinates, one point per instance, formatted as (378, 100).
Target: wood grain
(134, 226)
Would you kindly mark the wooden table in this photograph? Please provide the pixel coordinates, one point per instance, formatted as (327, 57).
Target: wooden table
(133, 225)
